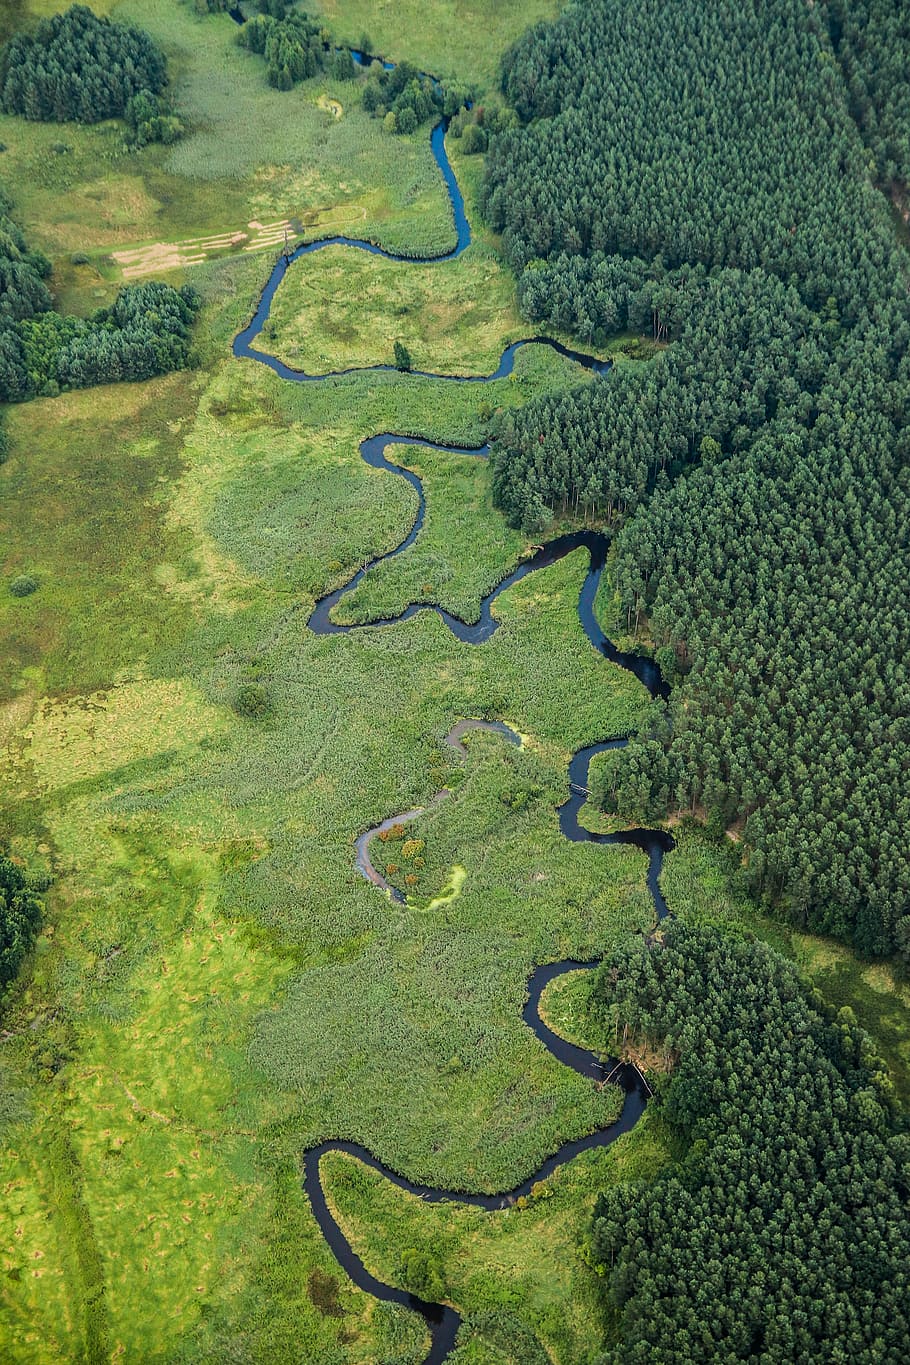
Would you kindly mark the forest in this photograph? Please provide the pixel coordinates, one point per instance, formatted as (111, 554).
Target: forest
(294, 46)
(783, 1233)
(756, 471)
(871, 39)
(75, 66)
(145, 331)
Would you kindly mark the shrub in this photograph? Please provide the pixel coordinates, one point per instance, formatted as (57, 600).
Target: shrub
(78, 258)
(473, 139)
(20, 915)
(23, 585)
(422, 1275)
(402, 356)
(252, 701)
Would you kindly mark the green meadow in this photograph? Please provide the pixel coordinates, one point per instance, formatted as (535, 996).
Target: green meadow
(215, 986)
(463, 40)
(346, 308)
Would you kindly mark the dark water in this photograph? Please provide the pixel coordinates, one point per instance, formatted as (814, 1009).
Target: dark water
(243, 342)
(442, 1320)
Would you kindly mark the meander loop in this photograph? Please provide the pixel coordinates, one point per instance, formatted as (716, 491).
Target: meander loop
(443, 1320)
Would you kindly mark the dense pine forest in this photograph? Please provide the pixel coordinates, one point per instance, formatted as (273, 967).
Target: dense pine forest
(758, 468)
(783, 1233)
(871, 39)
(76, 66)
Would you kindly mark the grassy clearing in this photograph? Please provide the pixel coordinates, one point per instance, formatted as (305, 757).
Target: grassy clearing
(699, 881)
(342, 308)
(259, 440)
(137, 1077)
(461, 39)
(446, 553)
(520, 1275)
(87, 523)
(241, 127)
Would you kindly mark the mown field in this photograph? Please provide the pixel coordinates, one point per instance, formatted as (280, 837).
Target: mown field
(215, 987)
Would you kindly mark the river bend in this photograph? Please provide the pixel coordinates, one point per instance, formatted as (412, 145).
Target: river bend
(443, 1320)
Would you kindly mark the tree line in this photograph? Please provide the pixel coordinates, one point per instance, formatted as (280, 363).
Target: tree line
(756, 469)
(295, 47)
(783, 1233)
(145, 331)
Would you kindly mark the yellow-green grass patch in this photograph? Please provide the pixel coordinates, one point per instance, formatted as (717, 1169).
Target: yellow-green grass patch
(340, 308)
(84, 494)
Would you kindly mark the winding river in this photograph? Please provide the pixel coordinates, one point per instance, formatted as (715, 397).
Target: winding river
(442, 1319)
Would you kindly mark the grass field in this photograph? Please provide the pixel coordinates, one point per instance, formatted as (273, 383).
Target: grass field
(518, 1276)
(88, 527)
(215, 986)
(461, 39)
(446, 553)
(341, 308)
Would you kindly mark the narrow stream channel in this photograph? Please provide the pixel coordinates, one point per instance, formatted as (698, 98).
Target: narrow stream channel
(442, 1320)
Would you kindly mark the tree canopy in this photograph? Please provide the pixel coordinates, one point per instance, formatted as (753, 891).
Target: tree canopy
(77, 66)
(294, 46)
(756, 470)
(146, 331)
(783, 1233)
